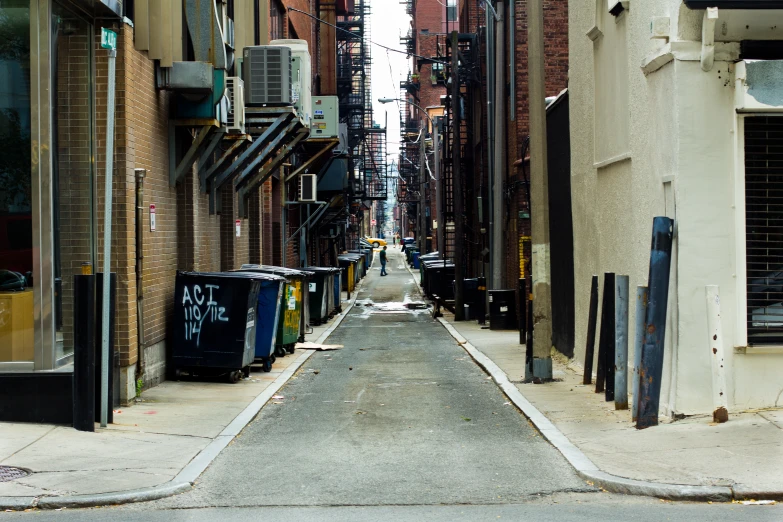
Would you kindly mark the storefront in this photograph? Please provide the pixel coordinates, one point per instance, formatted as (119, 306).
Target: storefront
(47, 204)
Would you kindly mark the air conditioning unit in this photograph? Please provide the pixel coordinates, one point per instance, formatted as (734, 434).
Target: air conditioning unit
(308, 191)
(302, 77)
(266, 71)
(326, 121)
(236, 111)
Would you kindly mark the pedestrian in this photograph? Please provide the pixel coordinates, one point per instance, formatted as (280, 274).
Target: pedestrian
(394, 240)
(383, 261)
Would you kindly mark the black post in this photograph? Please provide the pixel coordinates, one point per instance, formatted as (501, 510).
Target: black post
(606, 339)
(522, 293)
(481, 300)
(651, 369)
(591, 320)
(84, 353)
(98, 354)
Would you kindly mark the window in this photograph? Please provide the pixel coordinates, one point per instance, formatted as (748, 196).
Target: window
(276, 20)
(451, 10)
(764, 229)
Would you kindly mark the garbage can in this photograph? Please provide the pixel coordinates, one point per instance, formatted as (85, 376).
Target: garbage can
(338, 290)
(267, 317)
(348, 264)
(415, 257)
(319, 289)
(290, 329)
(503, 310)
(214, 329)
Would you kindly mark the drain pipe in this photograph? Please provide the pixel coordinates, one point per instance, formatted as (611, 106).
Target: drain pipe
(140, 363)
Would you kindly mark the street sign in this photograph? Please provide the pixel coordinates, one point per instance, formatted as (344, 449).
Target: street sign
(238, 225)
(108, 39)
(153, 222)
(373, 222)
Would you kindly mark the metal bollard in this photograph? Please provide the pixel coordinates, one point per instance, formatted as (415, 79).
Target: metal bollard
(591, 320)
(621, 286)
(655, 331)
(604, 381)
(638, 341)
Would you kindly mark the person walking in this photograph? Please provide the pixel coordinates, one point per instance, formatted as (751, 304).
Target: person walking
(383, 261)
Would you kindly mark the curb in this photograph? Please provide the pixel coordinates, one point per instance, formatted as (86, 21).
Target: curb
(187, 477)
(584, 467)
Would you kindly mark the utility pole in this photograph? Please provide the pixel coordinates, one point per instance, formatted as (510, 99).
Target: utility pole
(498, 240)
(539, 195)
(456, 183)
(422, 228)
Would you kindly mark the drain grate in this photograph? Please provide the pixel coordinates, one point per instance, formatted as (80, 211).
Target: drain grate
(8, 473)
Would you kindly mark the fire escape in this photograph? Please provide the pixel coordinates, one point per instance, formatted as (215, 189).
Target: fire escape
(462, 135)
(366, 141)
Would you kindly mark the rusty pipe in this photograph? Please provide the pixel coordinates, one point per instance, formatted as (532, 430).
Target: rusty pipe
(140, 362)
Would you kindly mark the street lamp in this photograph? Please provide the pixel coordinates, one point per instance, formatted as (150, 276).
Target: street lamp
(423, 179)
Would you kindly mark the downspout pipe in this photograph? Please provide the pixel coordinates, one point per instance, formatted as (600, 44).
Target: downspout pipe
(140, 360)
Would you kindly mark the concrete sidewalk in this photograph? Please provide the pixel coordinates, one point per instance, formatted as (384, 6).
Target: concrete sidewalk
(689, 458)
(155, 448)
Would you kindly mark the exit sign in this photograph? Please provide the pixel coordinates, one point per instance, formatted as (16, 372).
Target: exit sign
(108, 38)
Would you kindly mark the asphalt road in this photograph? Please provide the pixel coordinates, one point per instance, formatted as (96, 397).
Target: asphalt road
(400, 424)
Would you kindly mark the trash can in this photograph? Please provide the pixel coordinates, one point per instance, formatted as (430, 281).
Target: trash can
(214, 329)
(503, 310)
(348, 264)
(415, 257)
(267, 317)
(320, 291)
(338, 290)
(291, 328)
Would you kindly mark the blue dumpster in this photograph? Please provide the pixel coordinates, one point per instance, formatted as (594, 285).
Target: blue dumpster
(338, 290)
(268, 313)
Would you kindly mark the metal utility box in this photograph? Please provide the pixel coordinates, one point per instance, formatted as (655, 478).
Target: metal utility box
(325, 122)
(266, 71)
(301, 77)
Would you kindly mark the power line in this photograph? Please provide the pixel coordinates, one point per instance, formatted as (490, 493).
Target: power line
(430, 60)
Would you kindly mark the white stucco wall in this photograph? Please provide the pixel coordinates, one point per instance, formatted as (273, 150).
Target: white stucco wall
(682, 155)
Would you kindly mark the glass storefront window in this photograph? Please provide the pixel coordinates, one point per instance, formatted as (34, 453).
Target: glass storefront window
(72, 174)
(16, 222)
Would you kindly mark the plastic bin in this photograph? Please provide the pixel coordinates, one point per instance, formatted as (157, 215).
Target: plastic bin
(214, 329)
(348, 264)
(415, 257)
(290, 329)
(321, 294)
(338, 290)
(503, 310)
(268, 318)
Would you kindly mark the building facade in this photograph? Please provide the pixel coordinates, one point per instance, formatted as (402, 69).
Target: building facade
(674, 112)
(188, 192)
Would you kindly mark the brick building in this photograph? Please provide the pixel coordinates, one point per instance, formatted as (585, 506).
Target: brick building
(183, 198)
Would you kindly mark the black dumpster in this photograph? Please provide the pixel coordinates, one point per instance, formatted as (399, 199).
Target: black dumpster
(503, 310)
(214, 329)
(321, 290)
(439, 279)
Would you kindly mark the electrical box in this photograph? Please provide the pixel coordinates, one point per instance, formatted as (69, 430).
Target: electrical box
(266, 71)
(301, 77)
(308, 191)
(325, 122)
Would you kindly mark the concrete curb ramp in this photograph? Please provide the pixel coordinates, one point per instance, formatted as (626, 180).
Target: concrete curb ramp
(186, 478)
(584, 467)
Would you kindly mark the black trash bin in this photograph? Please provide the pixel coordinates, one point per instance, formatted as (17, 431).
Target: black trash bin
(214, 328)
(503, 310)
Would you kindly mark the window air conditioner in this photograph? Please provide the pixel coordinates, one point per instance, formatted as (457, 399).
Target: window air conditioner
(308, 188)
(236, 112)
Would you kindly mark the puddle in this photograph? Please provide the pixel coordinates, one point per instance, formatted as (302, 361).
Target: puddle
(368, 307)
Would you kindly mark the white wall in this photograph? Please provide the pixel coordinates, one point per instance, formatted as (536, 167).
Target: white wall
(682, 153)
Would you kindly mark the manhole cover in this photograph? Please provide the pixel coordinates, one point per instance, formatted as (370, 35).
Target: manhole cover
(8, 473)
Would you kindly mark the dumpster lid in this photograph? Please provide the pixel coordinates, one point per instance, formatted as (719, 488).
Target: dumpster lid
(258, 276)
(327, 269)
(277, 270)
